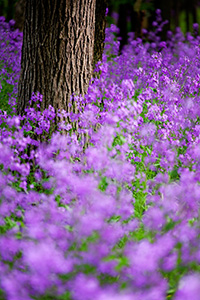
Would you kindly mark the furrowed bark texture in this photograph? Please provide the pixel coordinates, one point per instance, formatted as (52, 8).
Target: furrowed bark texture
(100, 26)
(57, 52)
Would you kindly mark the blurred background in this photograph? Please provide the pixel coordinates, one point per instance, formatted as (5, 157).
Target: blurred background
(129, 15)
(137, 15)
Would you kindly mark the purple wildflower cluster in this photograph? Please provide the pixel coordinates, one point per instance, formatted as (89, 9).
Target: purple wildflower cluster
(119, 220)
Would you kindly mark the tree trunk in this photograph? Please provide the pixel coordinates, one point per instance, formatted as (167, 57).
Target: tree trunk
(122, 25)
(177, 13)
(194, 11)
(19, 15)
(1, 8)
(165, 6)
(10, 10)
(187, 11)
(100, 25)
(57, 52)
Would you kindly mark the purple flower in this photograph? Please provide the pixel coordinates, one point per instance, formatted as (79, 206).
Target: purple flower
(189, 288)
(154, 218)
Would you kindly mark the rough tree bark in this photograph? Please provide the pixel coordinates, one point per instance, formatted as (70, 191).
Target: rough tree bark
(100, 25)
(58, 51)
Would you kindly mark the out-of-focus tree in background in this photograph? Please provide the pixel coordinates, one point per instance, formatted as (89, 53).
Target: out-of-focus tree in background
(135, 15)
(7, 8)
(129, 15)
(13, 9)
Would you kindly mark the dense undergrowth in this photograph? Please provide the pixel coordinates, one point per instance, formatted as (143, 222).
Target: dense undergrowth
(121, 219)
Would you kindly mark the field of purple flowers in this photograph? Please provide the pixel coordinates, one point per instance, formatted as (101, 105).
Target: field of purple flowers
(119, 220)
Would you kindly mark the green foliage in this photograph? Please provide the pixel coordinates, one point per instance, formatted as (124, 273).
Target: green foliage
(116, 3)
(4, 96)
(174, 175)
(103, 184)
(51, 296)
